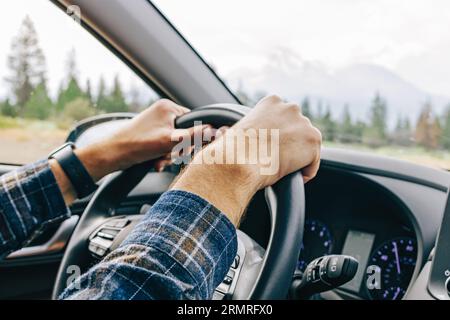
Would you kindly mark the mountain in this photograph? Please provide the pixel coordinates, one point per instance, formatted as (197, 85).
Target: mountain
(355, 85)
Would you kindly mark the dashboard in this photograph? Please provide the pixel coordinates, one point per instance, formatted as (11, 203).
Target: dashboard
(348, 214)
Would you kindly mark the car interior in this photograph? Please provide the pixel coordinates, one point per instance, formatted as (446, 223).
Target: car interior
(388, 214)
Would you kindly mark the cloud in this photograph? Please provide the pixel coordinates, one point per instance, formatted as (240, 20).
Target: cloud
(405, 36)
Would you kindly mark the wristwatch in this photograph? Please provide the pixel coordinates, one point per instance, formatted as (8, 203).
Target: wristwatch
(74, 169)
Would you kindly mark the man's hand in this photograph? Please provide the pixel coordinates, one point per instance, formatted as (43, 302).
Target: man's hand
(148, 136)
(230, 187)
(299, 140)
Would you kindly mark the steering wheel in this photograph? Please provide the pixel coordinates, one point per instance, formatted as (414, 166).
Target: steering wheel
(256, 273)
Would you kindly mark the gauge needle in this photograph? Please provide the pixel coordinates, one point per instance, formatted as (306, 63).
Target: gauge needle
(396, 294)
(397, 259)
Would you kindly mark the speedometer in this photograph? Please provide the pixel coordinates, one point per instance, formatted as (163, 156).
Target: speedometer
(395, 261)
(317, 242)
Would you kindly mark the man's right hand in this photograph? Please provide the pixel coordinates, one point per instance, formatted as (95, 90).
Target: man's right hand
(230, 187)
(299, 140)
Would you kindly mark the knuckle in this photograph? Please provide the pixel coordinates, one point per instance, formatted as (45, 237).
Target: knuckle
(293, 107)
(312, 175)
(273, 98)
(163, 104)
(167, 137)
(307, 120)
(314, 136)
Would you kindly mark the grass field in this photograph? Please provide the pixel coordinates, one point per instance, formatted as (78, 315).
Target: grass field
(431, 158)
(23, 141)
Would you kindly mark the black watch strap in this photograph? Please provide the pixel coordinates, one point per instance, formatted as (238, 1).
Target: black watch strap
(80, 178)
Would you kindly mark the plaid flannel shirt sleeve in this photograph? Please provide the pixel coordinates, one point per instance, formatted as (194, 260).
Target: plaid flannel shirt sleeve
(182, 249)
(30, 201)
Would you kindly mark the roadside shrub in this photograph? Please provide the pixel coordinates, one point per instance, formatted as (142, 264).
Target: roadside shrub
(78, 109)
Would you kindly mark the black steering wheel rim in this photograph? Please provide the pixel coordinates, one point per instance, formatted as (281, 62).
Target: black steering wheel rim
(286, 236)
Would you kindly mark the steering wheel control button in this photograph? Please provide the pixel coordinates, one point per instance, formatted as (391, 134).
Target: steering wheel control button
(225, 286)
(229, 278)
(102, 239)
(122, 223)
(99, 246)
(117, 223)
(235, 263)
(447, 285)
(107, 235)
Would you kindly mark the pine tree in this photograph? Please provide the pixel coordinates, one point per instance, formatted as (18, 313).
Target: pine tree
(402, 132)
(306, 108)
(359, 129)
(72, 91)
(445, 137)
(375, 133)
(26, 63)
(115, 101)
(319, 113)
(39, 106)
(101, 95)
(72, 68)
(69, 94)
(435, 133)
(327, 126)
(7, 109)
(346, 129)
(135, 104)
(89, 92)
(427, 129)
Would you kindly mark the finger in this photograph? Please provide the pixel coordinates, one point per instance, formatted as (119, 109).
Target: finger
(205, 129)
(170, 106)
(180, 110)
(184, 109)
(183, 152)
(311, 171)
(221, 131)
(161, 164)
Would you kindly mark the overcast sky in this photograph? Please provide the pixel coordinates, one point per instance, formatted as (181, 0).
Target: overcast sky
(410, 37)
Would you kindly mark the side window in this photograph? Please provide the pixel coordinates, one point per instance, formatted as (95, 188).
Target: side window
(53, 74)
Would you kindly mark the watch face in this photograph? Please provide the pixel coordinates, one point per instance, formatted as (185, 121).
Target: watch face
(70, 145)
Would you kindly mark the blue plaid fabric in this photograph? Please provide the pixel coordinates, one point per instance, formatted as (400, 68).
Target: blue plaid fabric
(30, 201)
(182, 248)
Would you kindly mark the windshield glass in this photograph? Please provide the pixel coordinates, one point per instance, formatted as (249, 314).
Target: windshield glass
(54, 77)
(372, 75)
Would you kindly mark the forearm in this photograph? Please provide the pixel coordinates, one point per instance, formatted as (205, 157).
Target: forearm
(182, 249)
(30, 200)
(228, 187)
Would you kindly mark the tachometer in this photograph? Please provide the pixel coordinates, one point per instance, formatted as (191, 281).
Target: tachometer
(396, 260)
(317, 242)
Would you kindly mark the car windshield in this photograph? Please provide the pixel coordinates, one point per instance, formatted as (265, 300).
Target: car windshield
(372, 75)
